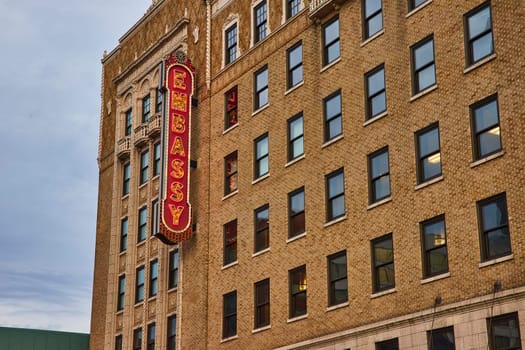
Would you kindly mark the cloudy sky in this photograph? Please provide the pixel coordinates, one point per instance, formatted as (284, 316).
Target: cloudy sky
(50, 54)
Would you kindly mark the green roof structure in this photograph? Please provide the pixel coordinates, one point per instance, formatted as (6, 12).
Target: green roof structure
(34, 339)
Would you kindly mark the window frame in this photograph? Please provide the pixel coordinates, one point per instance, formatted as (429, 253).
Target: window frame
(371, 180)
(153, 277)
(128, 122)
(432, 332)
(330, 199)
(327, 45)
(291, 6)
(233, 176)
(230, 46)
(124, 231)
(263, 231)
(490, 328)
(159, 98)
(375, 267)
(412, 4)
(173, 272)
(257, 92)
(293, 312)
(150, 342)
(291, 141)
(157, 154)
(469, 47)
(416, 88)
(261, 307)
(425, 252)
(144, 167)
(291, 216)
(140, 282)
(389, 342)
(485, 256)
(259, 158)
(260, 29)
(118, 342)
(142, 229)
(327, 120)
(369, 97)
(146, 108)
(126, 178)
(172, 336)
(332, 300)
(137, 338)
(366, 19)
(155, 217)
(420, 168)
(226, 331)
(476, 142)
(121, 292)
(230, 250)
(231, 107)
(291, 69)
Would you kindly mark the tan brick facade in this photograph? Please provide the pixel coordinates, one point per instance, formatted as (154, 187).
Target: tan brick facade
(406, 311)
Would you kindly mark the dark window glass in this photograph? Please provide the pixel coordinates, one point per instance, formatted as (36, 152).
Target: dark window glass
(260, 16)
(383, 263)
(292, 7)
(331, 45)
(373, 17)
(296, 216)
(155, 217)
(494, 227)
(126, 175)
(295, 137)
(231, 44)
(229, 315)
(412, 4)
(230, 242)
(262, 159)
(151, 336)
(434, 244)
(261, 88)
(121, 292)
(391, 344)
(231, 108)
(124, 234)
(379, 175)
(423, 65)
(118, 342)
(230, 173)
(441, 339)
(375, 92)
(143, 224)
(297, 291)
(173, 278)
(139, 285)
(504, 332)
(486, 129)
(153, 277)
(337, 279)
(295, 65)
(428, 153)
(262, 228)
(158, 101)
(128, 122)
(146, 108)
(144, 166)
(137, 339)
(156, 160)
(172, 332)
(335, 195)
(479, 41)
(333, 120)
(262, 303)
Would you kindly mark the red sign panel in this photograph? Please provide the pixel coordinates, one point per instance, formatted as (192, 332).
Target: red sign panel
(175, 209)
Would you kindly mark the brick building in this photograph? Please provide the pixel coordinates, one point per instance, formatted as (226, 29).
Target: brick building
(357, 178)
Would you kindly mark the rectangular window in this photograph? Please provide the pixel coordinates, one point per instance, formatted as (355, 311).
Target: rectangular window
(262, 159)
(151, 336)
(333, 119)
(260, 21)
(146, 108)
(331, 44)
(156, 160)
(231, 108)
(379, 175)
(504, 332)
(158, 101)
(260, 98)
(262, 304)
(372, 17)
(295, 137)
(292, 8)
(428, 153)
(413, 4)
(230, 44)
(335, 195)
(139, 284)
(126, 175)
(434, 245)
(391, 344)
(124, 234)
(441, 339)
(143, 222)
(296, 216)
(155, 217)
(294, 62)
(229, 315)
(478, 34)
(173, 278)
(337, 279)
(128, 122)
(375, 92)
(230, 242)
(144, 166)
(230, 173)
(486, 138)
(297, 278)
(423, 65)
(121, 292)
(494, 227)
(262, 228)
(137, 339)
(118, 342)
(153, 278)
(172, 332)
(383, 264)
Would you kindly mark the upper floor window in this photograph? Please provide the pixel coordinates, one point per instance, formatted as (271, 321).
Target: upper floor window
(260, 98)
(137, 339)
(121, 297)
(372, 17)
(486, 138)
(230, 243)
(434, 246)
(143, 224)
(333, 119)
(478, 26)
(391, 344)
(295, 137)
(294, 62)
(379, 175)
(331, 44)
(146, 108)
(441, 339)
(151, 336)
(375, 92)
(335, 195)
(155, 217)
(261, 162)
(296, 216)
(262, 303)
(172, 332)
(144, 166)
(297, 278)
(158, 101)
(383, 263)
(230, 173)
(337, 279)
(413, 4)
(128, 122)
(494, 227)
(156, 160)
(126, 177)
(231, 100)
(230, 44)
(260, 14)
(504, 332)
(423, 65)
(118, 342)
(292, 8)
(428, 153)
(229, 315)
(139, 284)
(124, 234)
(153, 277)
(262, 228)
(173, 277)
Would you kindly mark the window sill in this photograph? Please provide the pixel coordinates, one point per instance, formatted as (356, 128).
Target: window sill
(298, 318)
(143, 185)
(155, 177)
(423, 93)
(296, 86)
(141, 243)
(487, 159)
(257, 111)
(151, 298)
(338, 306)
(174, 289)
(230, 128)
(260, 178)
(260, 252)
(381, 202)
(229, 339)
(119, 312)
(378, 34)
(435, 278)
(231, 194)
(479, 63)
(335, 221)
(419, 8)
(301, 157)
(332, 141)
(257, 330)
(122, 253)
(429, 182)
(295, 238)
(225, 267)
(138, 303)
(126, 196)
(331, 64)
(385, 292)
(496, 261)
(377, 117)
